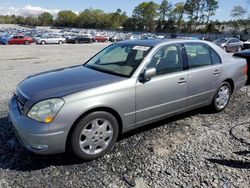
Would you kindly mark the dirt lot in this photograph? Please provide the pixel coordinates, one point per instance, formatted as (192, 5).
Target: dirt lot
(195, 149)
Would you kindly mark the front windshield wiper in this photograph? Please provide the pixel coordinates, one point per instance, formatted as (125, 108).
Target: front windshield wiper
(105, 71)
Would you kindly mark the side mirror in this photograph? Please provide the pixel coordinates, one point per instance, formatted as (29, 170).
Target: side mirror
(148, 74)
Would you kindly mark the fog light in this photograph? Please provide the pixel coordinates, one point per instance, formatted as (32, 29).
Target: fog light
(39, 147)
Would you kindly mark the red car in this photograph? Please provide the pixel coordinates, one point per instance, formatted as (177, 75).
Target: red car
(20, 39)
(101, 39)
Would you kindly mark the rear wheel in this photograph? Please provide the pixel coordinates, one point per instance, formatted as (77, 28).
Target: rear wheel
(94, 135)
(222, 97)
(26, 42)
(43, 42)
(60, 42)
(76, 42)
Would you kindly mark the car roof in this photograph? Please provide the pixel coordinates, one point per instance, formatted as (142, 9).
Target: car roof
(155, 42)
(149, 42)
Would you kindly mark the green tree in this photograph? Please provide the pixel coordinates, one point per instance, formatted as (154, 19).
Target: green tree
(146, 13)
(178, 12)
(66, 18)
(20, 20)
(45, 19)
(31, 21)
(210, 8)
(165, 9)
(195, 11)
(240, 14)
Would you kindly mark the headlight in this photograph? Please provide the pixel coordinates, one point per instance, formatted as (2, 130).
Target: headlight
(46, 111)
(223, 44)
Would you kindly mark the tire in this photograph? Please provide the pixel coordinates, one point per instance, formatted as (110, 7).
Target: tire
(239, 49)
(26, 42)
(98, 130)
(221, 98)
(43, 42)
(225, 49)
(76, 42)
(60, 42)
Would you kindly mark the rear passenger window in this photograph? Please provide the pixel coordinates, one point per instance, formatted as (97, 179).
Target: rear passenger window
(198, 55)
(215, 57)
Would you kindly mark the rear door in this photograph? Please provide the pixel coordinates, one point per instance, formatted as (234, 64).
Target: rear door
(203, 75)
(166, 93)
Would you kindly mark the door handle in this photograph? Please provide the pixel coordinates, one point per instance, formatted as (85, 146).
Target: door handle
(216, 72)
(182, 80)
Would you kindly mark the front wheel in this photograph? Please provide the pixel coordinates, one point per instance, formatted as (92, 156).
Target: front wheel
(94, 135)
(26, 42)
(222, 97)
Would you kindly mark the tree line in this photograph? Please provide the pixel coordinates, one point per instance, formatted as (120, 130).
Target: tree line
(185, 16)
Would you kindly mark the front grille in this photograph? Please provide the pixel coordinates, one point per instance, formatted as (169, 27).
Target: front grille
(21, 100)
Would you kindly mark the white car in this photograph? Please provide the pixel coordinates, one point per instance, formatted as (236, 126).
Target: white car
(50, 40)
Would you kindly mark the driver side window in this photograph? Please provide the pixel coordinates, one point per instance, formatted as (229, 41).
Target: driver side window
(167, 60)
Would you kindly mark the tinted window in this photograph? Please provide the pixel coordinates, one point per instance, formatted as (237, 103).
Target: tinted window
(198, 55)
(15, 37)
(167, 60)
(20, 37)
(215, 57)
(236, 40)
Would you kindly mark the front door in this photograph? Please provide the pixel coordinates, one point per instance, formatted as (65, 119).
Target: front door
(164, 94)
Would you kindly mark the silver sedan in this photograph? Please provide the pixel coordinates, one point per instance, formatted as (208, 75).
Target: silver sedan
(127, 85)
(50, 40)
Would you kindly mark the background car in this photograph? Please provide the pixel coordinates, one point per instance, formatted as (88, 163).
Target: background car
(50, 40)
(247, 44)
(80, 39)
(245, 54)
(20, 39)
(101, 39)
(229, 44)
(4, 40)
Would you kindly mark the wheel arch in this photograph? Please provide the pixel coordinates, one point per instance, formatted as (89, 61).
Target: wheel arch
(231, 82)
(105, 109)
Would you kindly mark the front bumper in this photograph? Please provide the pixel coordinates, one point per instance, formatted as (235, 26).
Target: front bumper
(35, 136)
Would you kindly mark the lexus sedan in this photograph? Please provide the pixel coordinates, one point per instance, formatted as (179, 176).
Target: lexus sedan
(129, 84)
(230, 44)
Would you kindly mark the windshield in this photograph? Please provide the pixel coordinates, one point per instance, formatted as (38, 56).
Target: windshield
(119, 59)
(221, 40)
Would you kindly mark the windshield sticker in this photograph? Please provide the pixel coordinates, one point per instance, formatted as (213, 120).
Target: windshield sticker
(142, 48)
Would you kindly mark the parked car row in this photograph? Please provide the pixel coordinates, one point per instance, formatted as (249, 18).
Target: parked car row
(77, 36)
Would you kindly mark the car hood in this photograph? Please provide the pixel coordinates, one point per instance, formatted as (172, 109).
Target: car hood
(61, 82)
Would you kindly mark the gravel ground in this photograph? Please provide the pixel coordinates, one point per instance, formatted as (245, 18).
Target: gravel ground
(194, 149)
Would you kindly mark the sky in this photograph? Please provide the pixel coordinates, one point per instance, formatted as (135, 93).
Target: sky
(26, 7)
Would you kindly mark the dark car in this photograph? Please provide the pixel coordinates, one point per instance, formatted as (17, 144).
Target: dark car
(247, 44)
(80, 39)
(245, 54)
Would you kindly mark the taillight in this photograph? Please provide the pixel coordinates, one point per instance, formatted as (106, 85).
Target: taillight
(245, 69)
